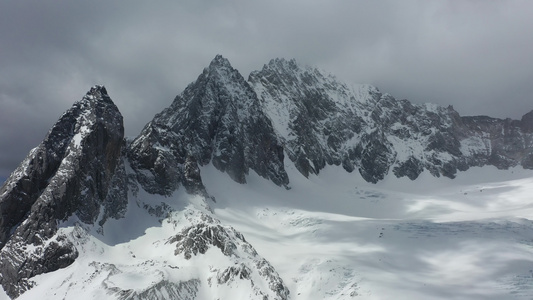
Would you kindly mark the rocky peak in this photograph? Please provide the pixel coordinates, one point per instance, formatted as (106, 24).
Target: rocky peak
(220, 62)
(97, 92)
(311, 110)
(322, 121)
(221, 74)
(281, 65)
(284, 72)
(218, 119)
(77, 171)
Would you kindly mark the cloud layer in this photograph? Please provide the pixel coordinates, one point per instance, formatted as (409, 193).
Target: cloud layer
(474, 55)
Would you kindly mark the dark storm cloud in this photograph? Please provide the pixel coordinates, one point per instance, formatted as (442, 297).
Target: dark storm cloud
(475, 55)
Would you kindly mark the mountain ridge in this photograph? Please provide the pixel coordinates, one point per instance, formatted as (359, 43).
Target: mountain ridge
(87, 173)
(324, 121)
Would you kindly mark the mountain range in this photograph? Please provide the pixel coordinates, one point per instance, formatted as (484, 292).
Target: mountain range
(90, 212)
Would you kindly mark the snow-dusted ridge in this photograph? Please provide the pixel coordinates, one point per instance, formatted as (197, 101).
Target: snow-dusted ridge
(322, 121)
(288, 185)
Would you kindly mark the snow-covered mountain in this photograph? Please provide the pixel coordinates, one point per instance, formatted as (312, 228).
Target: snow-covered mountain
(217, 119)
(322, 121)
(77, 171)
(285, 185)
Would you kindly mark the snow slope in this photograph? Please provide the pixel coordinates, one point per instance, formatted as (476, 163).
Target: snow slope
(332, 236)
(338, 237)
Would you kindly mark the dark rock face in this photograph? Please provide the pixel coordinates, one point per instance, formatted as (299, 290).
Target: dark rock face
(76, 171)
(324, 122)
(216, 119)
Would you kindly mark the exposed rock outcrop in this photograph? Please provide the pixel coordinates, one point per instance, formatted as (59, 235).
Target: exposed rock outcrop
(248, 266)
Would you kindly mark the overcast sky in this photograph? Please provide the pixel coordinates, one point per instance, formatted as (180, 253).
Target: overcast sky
(475, 55)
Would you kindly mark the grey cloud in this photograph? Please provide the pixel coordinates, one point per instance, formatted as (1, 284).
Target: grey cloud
(474, 55)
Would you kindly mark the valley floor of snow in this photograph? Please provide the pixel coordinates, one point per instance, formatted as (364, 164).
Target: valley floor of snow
(335, 236)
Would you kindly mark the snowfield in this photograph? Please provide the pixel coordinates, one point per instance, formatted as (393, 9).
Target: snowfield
(335, 236)
(331, 236)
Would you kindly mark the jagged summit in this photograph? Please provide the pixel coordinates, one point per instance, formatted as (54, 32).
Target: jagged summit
(78, 127)
(97, 91)
(221, 70)
(322, 121)
(282, 65)
(281, 70)
(312, 112)
(77, 171)
(217, 119)
(220, 62)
